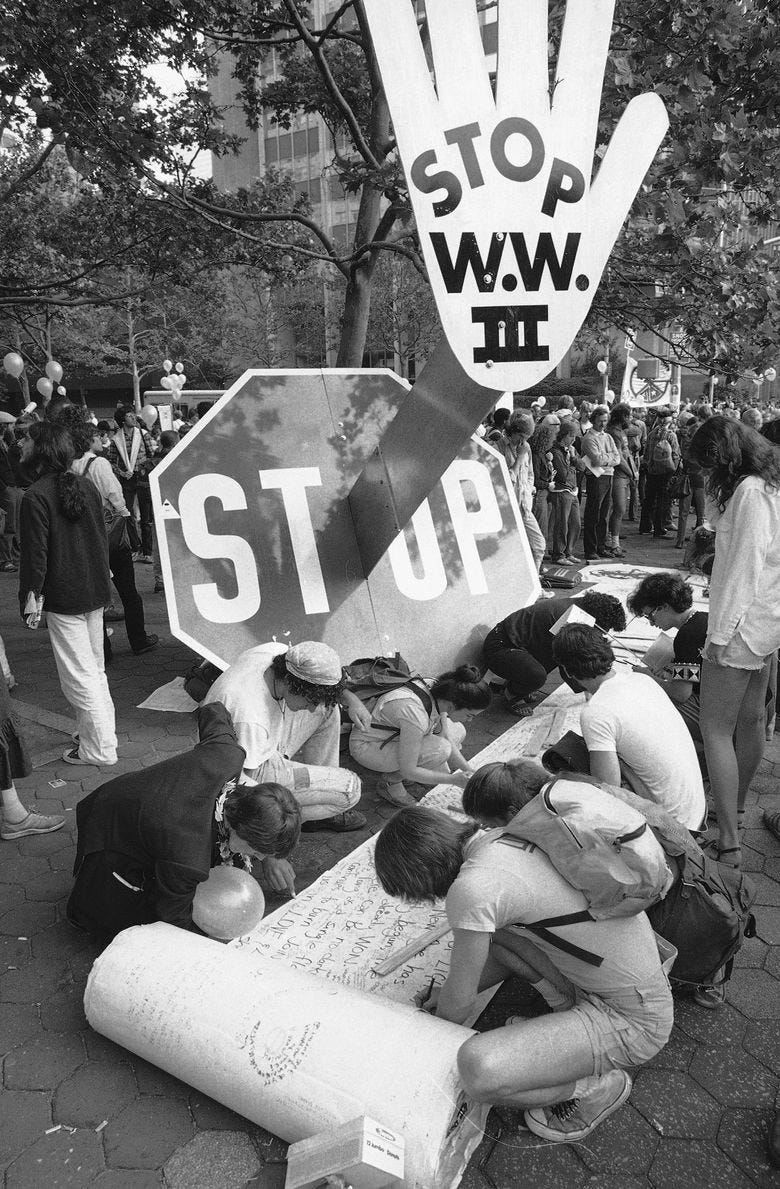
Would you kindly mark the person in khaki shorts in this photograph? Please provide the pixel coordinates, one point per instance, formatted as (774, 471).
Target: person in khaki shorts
(603, 980)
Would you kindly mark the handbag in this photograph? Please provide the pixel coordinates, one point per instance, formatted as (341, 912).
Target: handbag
(115, 522)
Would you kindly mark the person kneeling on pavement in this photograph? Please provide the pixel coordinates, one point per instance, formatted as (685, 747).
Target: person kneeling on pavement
(147, 839)
(520, 648)
(603, 980)
(284, 703)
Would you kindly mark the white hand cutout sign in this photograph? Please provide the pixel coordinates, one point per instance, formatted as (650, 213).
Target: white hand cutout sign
(514, 236)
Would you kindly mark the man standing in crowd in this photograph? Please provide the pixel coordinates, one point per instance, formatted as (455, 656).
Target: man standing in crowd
(601, 456)
(130, 454)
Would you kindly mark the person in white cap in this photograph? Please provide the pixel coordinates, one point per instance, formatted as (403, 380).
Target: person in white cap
(284, 703)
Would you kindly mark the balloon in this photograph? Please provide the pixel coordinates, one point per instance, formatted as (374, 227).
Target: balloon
(13, 364)
(148, 415)
(167, 365)
(54, 371)
(541, 401)
(229, 904)
(180, 367)
(62, 391)
(770, 375)
(167, 382)
(45, 387)
(601, 367)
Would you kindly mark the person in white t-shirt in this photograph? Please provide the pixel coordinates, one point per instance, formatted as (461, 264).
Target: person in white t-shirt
(633, 732)
(284, 706)
(604, 981)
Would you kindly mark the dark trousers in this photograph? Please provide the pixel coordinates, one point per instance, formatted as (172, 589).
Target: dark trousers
(598, 489)
(132, 490)
(121, 562)
(564, 522)
(522, 671)
(656, 504)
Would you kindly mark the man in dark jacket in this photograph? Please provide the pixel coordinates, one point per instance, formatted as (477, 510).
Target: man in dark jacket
(147, 839)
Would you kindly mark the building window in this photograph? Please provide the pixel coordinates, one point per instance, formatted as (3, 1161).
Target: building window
(314, 140)
(285, 146)
(271, 150)
(300, 144)
(312, 188)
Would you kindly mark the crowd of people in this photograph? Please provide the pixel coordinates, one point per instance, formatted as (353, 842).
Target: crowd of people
(267, 769)
(581, 474)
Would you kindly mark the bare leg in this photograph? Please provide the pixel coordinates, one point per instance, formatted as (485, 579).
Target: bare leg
(750, 737)
(722, 694)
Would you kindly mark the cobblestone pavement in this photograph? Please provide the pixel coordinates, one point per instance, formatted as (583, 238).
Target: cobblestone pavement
(77, 1110)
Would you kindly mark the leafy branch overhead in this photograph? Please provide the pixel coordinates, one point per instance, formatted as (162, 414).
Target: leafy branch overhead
(690, 252)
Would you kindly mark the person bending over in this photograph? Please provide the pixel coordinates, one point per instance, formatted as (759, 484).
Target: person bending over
(633, 733)
(603, 979)
(666, 601)
(147, 839)
(417, 738)
(519, 648)
(284, 705)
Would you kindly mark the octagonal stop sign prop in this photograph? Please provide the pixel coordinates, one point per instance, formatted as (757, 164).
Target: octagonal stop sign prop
(257, 540)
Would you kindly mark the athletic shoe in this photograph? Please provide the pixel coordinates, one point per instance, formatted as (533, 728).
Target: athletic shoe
(73, 757)
(592, 557)
(397, 795)
(572, 560)
(618, 552)
(150, 643)
(342, 823)
(560, 561)
(569, 1122)
(712, 998)
(34, 823)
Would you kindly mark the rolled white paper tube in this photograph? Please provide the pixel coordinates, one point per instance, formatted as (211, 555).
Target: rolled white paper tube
(293, 1053)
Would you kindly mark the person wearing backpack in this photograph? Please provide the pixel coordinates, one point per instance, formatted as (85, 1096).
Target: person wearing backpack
(416, 734)
(604, 979)
(663, 458)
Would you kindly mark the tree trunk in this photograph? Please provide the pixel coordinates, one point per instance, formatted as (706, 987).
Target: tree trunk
(357, 299)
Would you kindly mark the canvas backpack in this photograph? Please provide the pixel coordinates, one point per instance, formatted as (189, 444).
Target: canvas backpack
(371, 676)
(603, 847)
(662, 459)
(706, 915)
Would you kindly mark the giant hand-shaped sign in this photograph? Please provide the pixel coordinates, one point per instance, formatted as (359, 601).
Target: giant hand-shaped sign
(514, 232)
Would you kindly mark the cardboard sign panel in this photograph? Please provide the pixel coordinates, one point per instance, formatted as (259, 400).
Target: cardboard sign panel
(257, 540)
(514, 234)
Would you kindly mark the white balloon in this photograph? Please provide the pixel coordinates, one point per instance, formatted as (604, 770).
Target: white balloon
(601, 367)
(45, 387)
(167, 365)
(13, 364)
(148, 415)
(179, 367)
(62, 391)
(167, 382)
(54, 371)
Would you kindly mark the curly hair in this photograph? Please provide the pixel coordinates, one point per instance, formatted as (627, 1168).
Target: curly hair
(81, 431)
(317, 695)
(543, 438)
(660, 590)
(606, 610)
(53, 452)
(583, 652)
(419, 853)
(463, 687)
(267, 816)
(619, 417)
(730, 451)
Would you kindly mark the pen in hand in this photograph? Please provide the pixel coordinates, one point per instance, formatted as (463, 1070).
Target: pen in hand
(427, 994)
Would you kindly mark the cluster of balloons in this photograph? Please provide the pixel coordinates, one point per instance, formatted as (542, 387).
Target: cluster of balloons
(14, 366)
(229, 904)
(174, 378)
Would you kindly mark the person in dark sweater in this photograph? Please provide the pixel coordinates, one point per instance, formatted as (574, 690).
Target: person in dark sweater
(147, 839)
(10, 496)
(520, 648)
(64, 559)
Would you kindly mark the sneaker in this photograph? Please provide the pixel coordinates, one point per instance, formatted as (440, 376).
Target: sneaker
(712, 998)
(397, 795)
(618, 552)
(572, 560)
(342, 823)
(150, 643)
(560, 561)
(569, 1122)
(73, 757)
(34, 823)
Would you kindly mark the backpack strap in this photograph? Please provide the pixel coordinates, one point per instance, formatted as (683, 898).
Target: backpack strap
(89, 463)
(542, 930)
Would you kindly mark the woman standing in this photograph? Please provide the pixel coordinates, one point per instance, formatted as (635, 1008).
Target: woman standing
(564, 501)
(540, 445)
(514, 446)
(624, 474)
(416, 735)
(742, 472)
(64, 558)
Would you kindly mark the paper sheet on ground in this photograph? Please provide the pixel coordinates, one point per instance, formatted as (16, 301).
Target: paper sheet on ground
(172, 696)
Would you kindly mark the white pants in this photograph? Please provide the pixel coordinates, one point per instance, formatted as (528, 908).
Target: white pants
(307, 763)
(77, 644)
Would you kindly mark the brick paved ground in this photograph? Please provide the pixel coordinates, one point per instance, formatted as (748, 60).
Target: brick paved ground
(76, 1110)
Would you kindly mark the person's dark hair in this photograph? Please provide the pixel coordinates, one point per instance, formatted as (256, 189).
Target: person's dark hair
(730, 451)
(771, 431)
(495, 790)
(500, 417)
(463, 687)
(543, 438)
(520, 422)
(606, 610)
(419, 853)
(582, 651)
(53, 452)
(318, 695)
(567, 429)
(104, 426)
(81, 431)
(660, 590)
(620, 417)
(168, 439)
(203, 407)
(56, 406)
(599, 411)
(121, 412)
(267, 816)
(702, 412)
